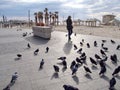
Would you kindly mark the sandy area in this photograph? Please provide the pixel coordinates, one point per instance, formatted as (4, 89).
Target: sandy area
(104, 31)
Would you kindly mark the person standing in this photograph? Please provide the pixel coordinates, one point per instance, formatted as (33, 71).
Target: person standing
(69, 27)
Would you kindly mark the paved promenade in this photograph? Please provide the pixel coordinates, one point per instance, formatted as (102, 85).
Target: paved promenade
(31, 78)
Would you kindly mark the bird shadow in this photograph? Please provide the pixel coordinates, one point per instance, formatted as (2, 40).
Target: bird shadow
(16, 59)
(118, 77)
(79, 65)
(37, 40)
(88, 76)
(55, 75)
(26, 48)
(108, 66)
(59, 63)
(112, 88)
(94, 67)
(64, 69)
(67, 47)
(114, 63)
(76, 79)
(40, 68)
(105, 78)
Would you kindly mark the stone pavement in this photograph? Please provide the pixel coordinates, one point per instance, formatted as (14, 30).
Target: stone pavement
(31, 78)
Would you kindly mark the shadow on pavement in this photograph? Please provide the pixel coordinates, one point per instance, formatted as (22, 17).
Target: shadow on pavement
(67, 47)
(37, 40)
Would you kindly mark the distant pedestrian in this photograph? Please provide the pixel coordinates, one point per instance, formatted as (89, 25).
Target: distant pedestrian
(14, 78)
(69, 27)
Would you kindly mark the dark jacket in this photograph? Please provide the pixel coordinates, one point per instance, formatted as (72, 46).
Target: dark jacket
(69, 24)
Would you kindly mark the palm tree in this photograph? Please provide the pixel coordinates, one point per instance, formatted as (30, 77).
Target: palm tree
(50, 14)
(46, 15)
(56, 17)
(53, 18)
(35, 17)
(40, 16)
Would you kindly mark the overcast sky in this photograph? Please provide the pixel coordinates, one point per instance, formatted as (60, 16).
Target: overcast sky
(80, 9)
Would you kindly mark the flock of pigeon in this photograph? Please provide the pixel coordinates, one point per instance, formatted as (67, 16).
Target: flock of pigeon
(81, 61)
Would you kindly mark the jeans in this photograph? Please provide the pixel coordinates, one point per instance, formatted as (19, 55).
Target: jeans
(69, 33)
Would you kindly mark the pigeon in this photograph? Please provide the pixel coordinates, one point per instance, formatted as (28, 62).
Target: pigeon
(114, 58)
(81, 44)
(102, 45)
(61, 58)
(82, 40)
(75, 47)
(36, 51)
(93, 61)
(14, 78)
(24, 34)
(56, 68)
(112, 83)
(116, 71)
(87, 69)
(103, 41)
(118, 47)
(64, 63)
(83, 55)
(112, 41)
(95, 43)
(74, 69)
(79, 60)
(102, 52)
(105, 49)
(102, 63)
(69, 87)
(47, 49)
(83, 59)
(75, 34)
(79, 51)
(28, 45)
(73, 63)
(97, 56)
(42, 63)
(102, 71)
(88, 45)
(19, 56)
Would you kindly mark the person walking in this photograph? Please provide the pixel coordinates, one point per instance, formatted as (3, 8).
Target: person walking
(69, 27)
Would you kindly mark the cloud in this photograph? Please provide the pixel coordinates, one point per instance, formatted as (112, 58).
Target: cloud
(80, 8)
(37, 1)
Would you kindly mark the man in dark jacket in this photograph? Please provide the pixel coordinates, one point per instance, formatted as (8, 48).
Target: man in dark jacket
(69, 27)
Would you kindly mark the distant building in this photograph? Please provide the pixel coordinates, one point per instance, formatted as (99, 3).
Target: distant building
(107, 18)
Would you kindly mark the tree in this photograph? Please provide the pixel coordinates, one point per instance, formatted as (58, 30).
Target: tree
(35, 17)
